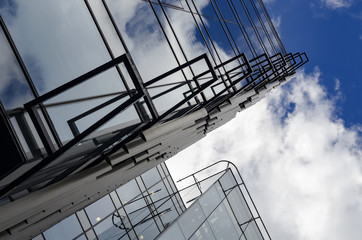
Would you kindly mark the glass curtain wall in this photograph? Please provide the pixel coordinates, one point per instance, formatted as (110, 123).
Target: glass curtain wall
(140, 209)
(222, 212)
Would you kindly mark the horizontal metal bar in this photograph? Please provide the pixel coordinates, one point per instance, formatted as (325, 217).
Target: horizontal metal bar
(76, 81)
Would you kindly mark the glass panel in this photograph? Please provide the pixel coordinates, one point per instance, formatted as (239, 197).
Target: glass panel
(203, 233)
(228, 181)
(57, 40)
(151, 177)
(167, 212)
(221, 224)
(143, 36)
(76, 101)
(239, 206)
(109, 230)
(175, 3)
(66, 229)
(138, 211)
(191, 219)
(147, 230)
(99, 209)
(219, 42)
(252, 231)
(82, 237)
(247, 26)
(14, 89)
(128, 191)
(173, 232)
(232, 218)
(211, 198)
(158, 194)
(90, 234)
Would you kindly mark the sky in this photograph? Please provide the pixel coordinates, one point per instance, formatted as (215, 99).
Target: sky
(300, 149)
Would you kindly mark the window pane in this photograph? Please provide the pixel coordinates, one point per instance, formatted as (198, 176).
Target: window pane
(57, 40)
(107, 230)
(203, 233)
(239, 206)
(227, 181)
(151, 177)
(14, 90)
(158, 193)
(147, 230)
(167, 212)
(128, 191)
(221, 224)
(211, 198)
(252, 231)
(66, 229)
(191, 219)
(99, 209)
(173, 232)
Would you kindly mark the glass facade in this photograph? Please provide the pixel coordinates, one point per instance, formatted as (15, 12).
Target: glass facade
(222, 212)
(114, 87)
(149, 210)
(140, 209)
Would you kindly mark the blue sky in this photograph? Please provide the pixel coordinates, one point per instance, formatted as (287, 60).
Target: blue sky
(330, 31)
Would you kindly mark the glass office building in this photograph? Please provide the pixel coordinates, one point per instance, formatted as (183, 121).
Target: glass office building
(151, 207)
(140, 209)
(93, 93)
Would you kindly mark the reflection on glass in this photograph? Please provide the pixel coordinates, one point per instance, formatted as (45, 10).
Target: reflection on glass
(158, 193)
(138, 212)
(143, 36)
(14, 90)
(232, 218)
(82, 237)
(227, 182)
(128, 191)
(191, 219)
(66, 229)
(107, 230)
(167, 212)
(173, 232)
(57, 40)
(239, 206)
(147, 230)
(203, 233)
(99, 209)
(252, 231)
(151, 177)
(221, 224)
(211, 198)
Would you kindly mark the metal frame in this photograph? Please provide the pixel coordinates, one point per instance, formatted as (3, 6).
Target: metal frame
(240, 183)
(255, 72)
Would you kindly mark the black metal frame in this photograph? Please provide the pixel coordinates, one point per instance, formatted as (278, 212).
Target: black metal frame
(240, 183)
(256, 73)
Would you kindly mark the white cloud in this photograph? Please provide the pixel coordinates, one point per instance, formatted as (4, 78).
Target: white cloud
(337, 84)
(334, 4)
(301, 164)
